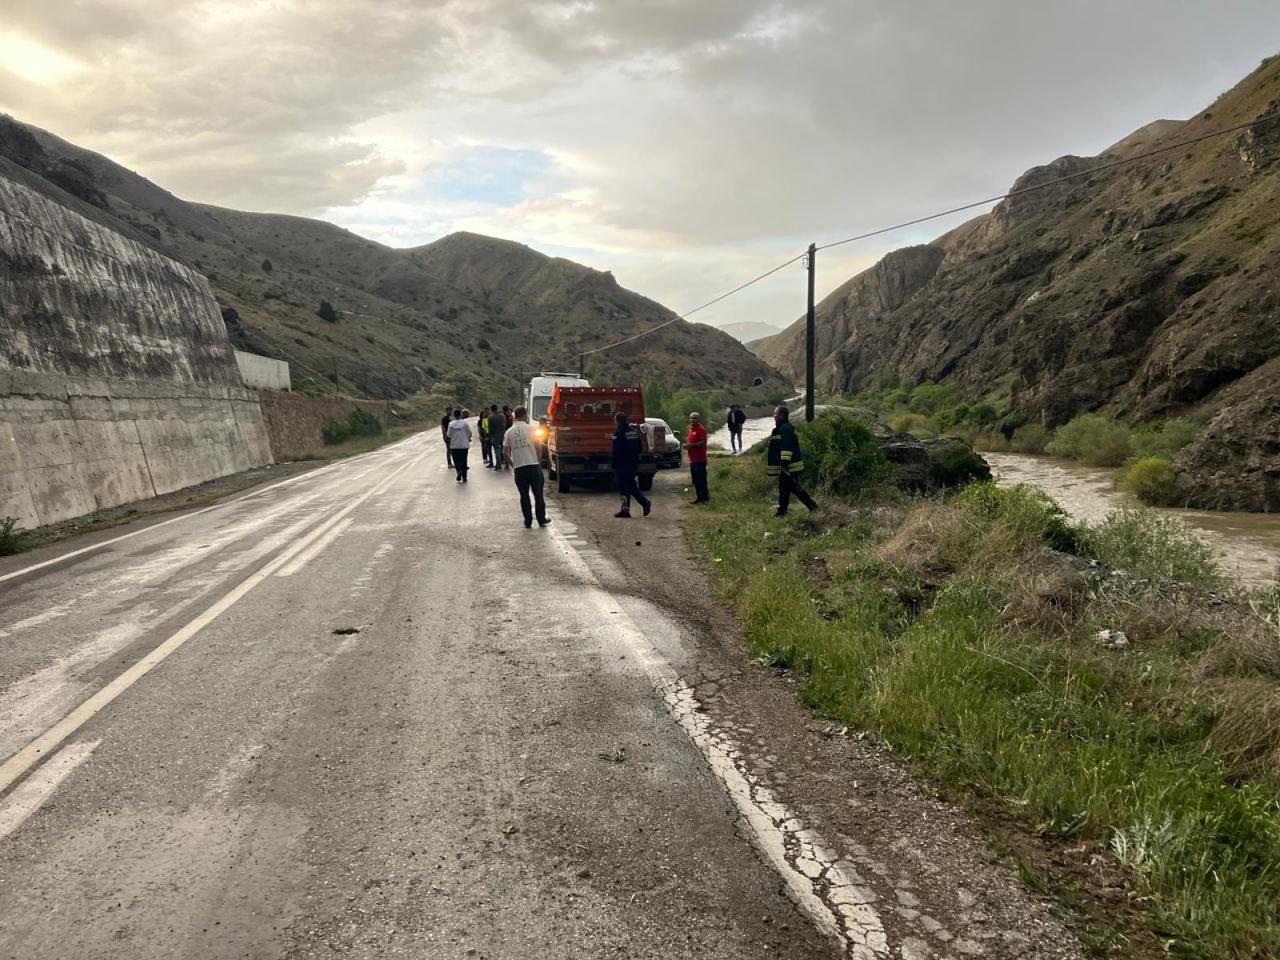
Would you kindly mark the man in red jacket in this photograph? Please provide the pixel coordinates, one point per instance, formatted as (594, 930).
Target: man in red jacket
(695, 445)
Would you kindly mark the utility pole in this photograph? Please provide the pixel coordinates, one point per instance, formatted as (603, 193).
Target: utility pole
(582, 367)
(809, 337)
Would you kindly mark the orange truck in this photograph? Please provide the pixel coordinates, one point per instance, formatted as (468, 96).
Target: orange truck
(580, 425)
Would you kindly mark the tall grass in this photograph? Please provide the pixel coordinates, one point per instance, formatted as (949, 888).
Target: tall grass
(957, 634)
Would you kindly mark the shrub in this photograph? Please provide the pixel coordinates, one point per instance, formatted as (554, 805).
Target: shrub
(1162, 438)
(1026, 510)
(914, 424)
(1030, 438)
(1151, 546)
(841, 454)
(929, 398)
(1093, 439)
(358, 424)
(326, 312)
(10, 536)
(984, 414)
(1153, 480)
(952, 463)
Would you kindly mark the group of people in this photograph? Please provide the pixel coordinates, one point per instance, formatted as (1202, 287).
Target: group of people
(784, 459)
(507, 443)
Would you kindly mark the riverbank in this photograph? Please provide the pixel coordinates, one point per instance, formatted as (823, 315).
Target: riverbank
(956, 634)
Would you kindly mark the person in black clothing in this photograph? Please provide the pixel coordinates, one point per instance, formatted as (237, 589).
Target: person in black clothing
(786, 463)
(444, 432)
(734, 422)
(625, 462)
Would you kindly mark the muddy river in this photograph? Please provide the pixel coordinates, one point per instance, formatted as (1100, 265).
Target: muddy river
(1248, 544)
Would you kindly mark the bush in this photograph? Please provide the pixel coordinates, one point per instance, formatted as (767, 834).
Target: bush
(1026, 510)
(952, 463)
(1030, 438)
(1153, 480)
(326, 312)
(1162, 438)
(929, 398)
(1093, 439)
(1151, 546)
(10, 536)
(914, 424)
(841, 454)
(358, 424)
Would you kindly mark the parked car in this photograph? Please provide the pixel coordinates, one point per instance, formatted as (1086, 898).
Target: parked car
(671, 456)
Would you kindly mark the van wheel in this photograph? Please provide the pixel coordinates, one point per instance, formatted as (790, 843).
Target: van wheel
(562, 483)
(645, 481)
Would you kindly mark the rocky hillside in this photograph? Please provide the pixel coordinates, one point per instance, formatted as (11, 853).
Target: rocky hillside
(1145, 291)
(389, 322)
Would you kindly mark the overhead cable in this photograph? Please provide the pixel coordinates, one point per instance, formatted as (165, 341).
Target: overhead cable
(1083, 174)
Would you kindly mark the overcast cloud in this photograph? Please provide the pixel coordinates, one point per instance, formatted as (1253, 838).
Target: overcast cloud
(683, 145)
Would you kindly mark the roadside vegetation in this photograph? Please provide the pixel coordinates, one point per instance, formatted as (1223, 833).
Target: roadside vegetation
(1102, 687)
(1143, 454)
(674, 406)
(11, 537)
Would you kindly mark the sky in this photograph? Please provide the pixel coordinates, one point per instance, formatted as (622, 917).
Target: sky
(685, 146)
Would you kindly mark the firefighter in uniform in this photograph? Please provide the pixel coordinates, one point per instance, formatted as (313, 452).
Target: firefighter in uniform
(786, 462)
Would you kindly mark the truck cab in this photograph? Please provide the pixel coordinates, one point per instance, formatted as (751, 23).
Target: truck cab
(580, 425)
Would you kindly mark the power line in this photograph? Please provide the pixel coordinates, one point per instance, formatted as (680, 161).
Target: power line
(1093, 171)
(1101, 168)
(689, 313)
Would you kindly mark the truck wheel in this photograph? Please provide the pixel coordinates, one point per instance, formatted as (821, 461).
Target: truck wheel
(563, 483)
(645, 481)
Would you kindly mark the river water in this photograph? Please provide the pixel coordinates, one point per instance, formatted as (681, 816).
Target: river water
(1247, 544)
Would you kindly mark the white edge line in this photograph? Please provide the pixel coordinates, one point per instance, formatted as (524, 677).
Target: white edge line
(28, 756)
(30, 797)
(253, 491)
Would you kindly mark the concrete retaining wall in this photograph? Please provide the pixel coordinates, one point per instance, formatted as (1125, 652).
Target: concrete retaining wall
(294, 421)
(263, 373)
(117, 381)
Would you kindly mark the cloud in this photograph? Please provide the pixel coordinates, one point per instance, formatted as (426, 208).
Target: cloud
(683, 145)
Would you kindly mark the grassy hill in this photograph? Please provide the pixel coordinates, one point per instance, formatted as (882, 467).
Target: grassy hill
(1145, 291)
(387, 322)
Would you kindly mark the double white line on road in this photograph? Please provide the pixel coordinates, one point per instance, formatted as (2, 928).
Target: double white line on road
(22, 761)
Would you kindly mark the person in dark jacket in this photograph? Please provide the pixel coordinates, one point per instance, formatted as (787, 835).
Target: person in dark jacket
(444, 432)
(734, 421)
(497, 427)
(625, 461)
(786, 462)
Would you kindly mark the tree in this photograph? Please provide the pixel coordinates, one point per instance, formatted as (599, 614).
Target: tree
(326, 312)
(266, 266)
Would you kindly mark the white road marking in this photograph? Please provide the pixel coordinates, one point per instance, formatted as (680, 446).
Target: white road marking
(308, 555)
(28, 756)
(29, 797)
(826, 888)
(187, 516)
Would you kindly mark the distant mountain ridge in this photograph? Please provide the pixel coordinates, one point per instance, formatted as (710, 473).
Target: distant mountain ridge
(405, 318)
(1149, 290)
(749, 331)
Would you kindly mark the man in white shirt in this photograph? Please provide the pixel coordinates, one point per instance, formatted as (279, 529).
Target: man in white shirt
(522, 453)
(460, 443)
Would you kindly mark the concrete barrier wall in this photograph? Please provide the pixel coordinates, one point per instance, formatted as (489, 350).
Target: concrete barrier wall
(294, 421)
(117, 381)
(263, 373)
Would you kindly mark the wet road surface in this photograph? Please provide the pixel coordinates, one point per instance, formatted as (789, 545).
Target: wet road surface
(365, 713)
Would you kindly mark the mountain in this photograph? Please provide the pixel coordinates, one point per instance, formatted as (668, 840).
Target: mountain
(388, 322)
(749, 331)
(1149, 290)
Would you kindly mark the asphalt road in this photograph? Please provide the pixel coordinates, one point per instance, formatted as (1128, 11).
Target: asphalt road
(366, 713)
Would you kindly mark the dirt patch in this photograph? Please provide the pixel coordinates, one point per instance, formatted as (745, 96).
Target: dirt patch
(949, 882)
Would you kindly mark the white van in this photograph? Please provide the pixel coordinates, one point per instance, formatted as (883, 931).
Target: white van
(542, 386)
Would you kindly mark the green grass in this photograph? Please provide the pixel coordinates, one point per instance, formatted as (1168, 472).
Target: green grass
(954, 634)
(356, 445)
